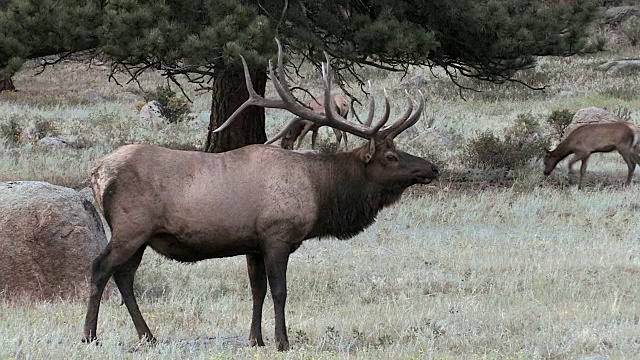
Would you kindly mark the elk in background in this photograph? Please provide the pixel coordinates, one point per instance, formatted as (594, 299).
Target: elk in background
(302, 127)
(260, 201)
(592, 138)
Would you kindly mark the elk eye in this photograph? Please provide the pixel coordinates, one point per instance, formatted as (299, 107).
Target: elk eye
(392, 158)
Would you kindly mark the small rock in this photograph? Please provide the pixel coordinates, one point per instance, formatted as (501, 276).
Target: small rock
(151, 112)
(593, 357)
(28, 134)
(415, 81)
(54, 143)
(567, 92)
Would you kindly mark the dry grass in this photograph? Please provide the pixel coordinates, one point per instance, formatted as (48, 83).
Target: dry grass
(480, 265)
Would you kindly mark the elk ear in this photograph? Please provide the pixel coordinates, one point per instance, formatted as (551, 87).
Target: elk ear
(372, 149)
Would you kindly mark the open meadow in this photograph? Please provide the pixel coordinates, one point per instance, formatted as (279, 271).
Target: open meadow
(481, 264)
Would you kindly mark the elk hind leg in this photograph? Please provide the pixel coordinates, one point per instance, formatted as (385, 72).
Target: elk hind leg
(630, 159)
(258, 281)
(123, 277)
(118, 252)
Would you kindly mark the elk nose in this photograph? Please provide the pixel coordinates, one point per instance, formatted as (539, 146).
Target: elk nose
(435, 170)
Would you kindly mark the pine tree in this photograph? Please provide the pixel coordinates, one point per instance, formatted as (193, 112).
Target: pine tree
(35, 28)
(201, 40)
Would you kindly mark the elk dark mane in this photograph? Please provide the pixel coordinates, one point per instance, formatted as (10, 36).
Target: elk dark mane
(347, 201)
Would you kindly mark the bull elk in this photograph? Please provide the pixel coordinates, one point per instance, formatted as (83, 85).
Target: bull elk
(593, 138)
(302, 127)
(260, 201)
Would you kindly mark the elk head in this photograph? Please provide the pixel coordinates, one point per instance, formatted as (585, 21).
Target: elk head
(289, 139)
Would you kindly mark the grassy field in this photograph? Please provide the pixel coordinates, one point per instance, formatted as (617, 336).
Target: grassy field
(475, 266)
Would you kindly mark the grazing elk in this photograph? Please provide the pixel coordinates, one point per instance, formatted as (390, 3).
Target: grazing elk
(302, 127)
(259, 201)
(592, 138)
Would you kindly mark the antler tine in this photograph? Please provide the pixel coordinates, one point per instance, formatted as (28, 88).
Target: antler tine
(387, 112)
(372, 106)
(329, 105)
(334, 119)
(400, 120)
(412, 120)
(254, 99)
(279, 80)
(380, 123)
(326, 80)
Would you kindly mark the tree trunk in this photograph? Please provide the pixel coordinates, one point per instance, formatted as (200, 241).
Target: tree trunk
(6, 84)
(229, 92)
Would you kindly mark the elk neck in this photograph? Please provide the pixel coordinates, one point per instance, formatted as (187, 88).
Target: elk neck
(561, 151)
(347, 201)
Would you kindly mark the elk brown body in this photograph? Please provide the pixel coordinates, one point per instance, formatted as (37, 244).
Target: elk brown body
(593, 138)
(260, 201)
(300, 129)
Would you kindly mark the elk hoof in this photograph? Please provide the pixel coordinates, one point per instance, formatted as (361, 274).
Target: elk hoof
(256, 342)
(90, 340)
(149, 338)
(283, 346)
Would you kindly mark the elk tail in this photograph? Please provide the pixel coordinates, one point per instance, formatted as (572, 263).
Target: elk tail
(634, 145)
(102, 179)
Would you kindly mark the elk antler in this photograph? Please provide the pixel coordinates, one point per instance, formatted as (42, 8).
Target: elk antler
(330, 117)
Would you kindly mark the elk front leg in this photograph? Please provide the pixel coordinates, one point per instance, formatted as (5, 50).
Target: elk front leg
(119, 252)
(258, 281)
(583, 168)
(276, 259)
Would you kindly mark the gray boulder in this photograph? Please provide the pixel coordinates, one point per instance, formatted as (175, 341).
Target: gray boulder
(590, 115)
(620, 66)
(54, 143)
(594, 115)
(49, 236)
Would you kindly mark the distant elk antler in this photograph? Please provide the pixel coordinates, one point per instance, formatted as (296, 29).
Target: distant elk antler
(298, 131)
(259, 201)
